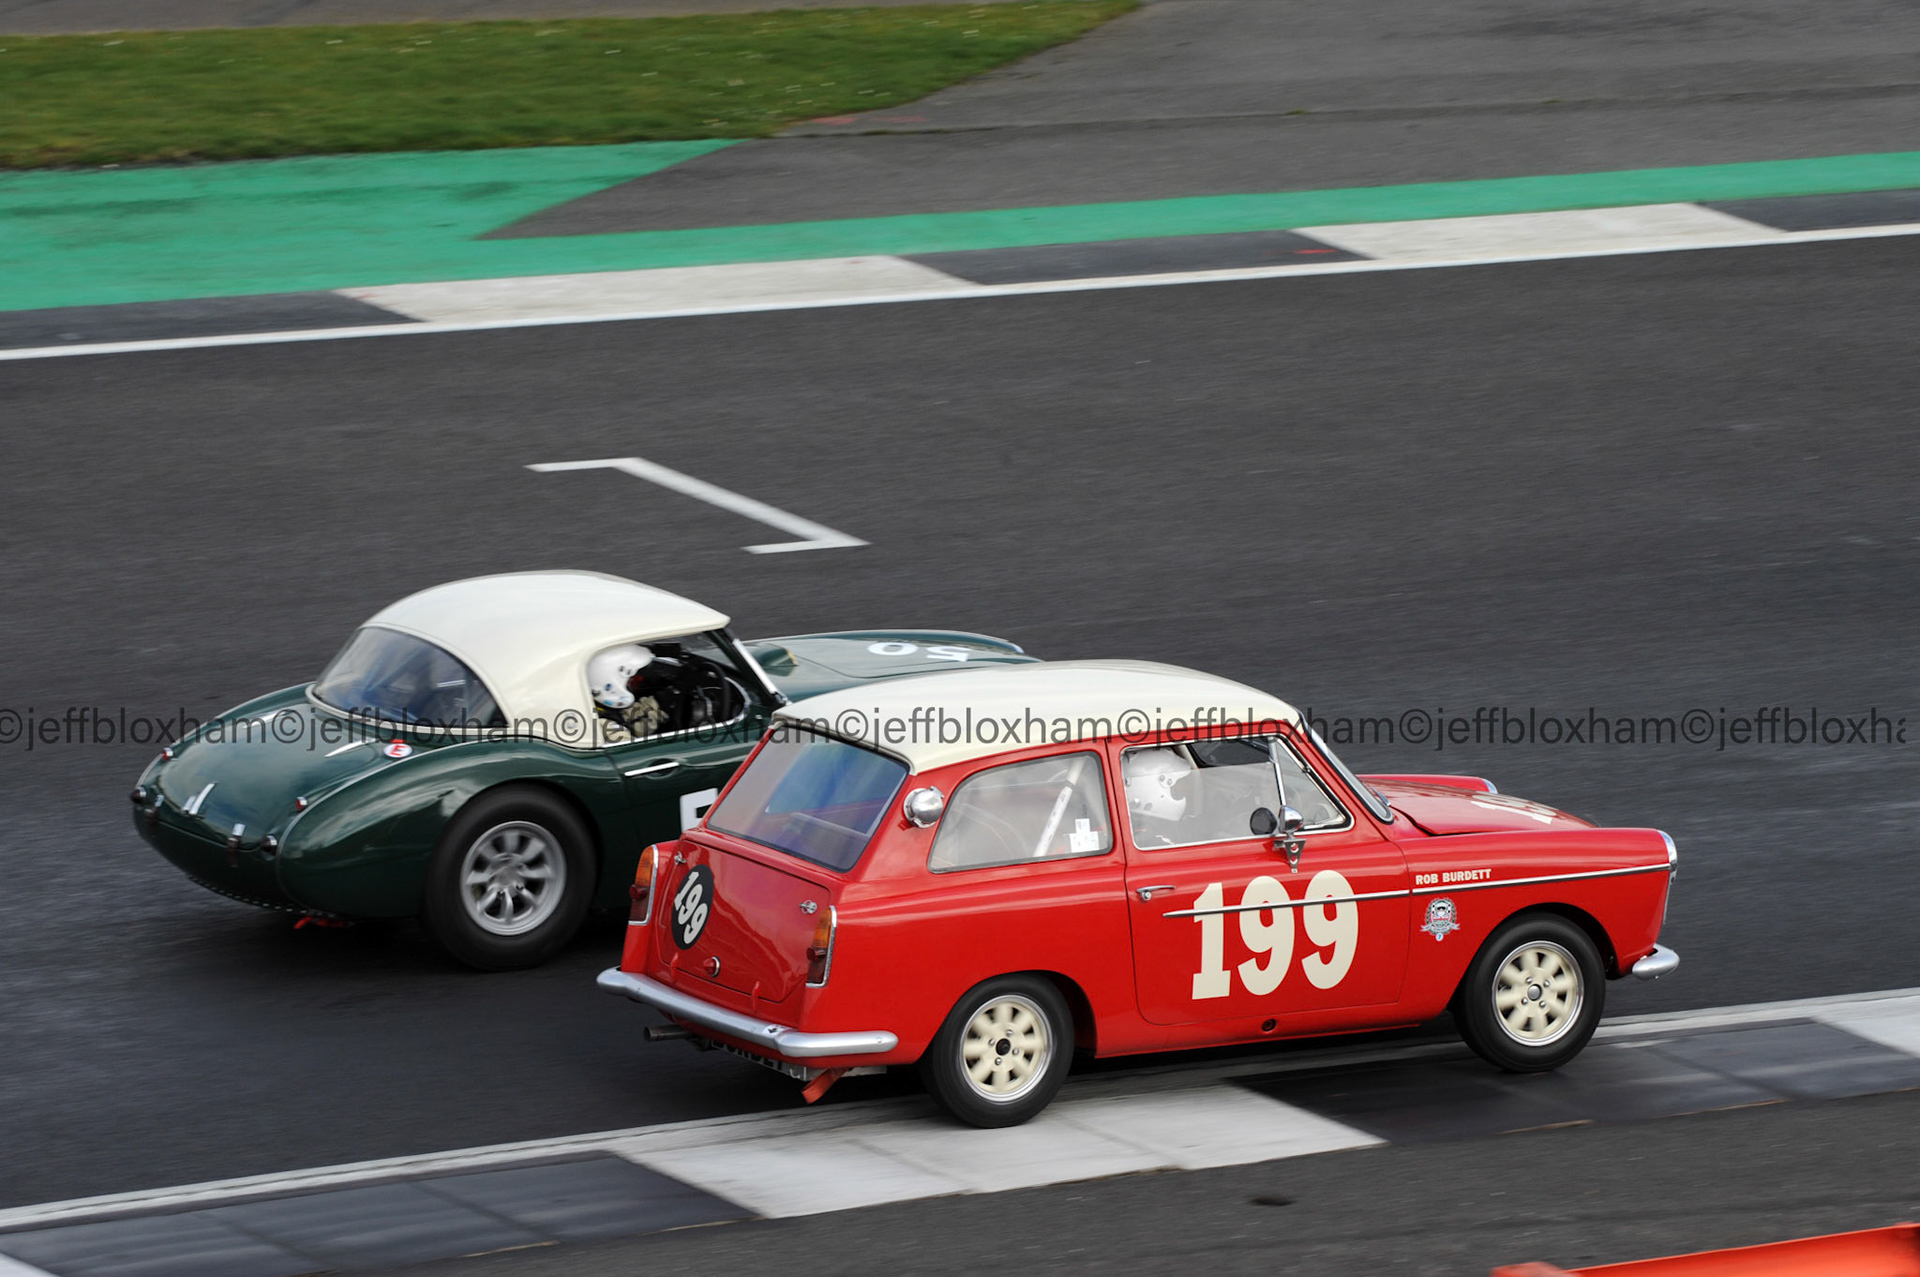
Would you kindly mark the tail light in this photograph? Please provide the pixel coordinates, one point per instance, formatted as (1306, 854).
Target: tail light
(820, 952)
(641, 892)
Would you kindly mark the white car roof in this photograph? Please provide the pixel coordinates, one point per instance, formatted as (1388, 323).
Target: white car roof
(528, 635)
(932, 720)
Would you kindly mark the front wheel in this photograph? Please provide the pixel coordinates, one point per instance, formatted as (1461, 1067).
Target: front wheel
(1002, 1053)
(1533, 995)
(510, 881)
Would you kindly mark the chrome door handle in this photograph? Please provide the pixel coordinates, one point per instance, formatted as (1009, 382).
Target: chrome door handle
(1146, 893)
(660, 768)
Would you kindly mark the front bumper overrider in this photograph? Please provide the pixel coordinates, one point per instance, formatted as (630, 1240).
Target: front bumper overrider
(775, 1039)
(1656, 964)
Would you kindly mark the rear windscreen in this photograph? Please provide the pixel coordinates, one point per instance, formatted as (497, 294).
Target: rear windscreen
(811, 796)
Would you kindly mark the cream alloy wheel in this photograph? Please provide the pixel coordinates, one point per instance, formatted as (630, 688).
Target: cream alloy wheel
(1002, 1052)
(512, 878)
(1537, 993)
(1006, 1048)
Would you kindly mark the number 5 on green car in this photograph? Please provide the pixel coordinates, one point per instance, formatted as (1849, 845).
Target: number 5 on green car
(491, 755)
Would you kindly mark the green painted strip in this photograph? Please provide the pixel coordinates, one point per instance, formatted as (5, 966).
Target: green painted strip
(336, 222)
(270, 226)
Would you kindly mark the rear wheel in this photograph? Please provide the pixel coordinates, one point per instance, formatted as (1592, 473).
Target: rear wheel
(510, 880)
(1533, 996)
(1002, 1053)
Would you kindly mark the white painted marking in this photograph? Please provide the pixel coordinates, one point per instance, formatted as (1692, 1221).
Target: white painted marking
(1761, 238)
(815, 536)
(1893, 1022)
(801, 1174)
(11, 1267)
(1142, 1111)
(1642, 228)
(1214, 1126)
(1054, 1148)
(670, 290)
(902, 1161)
(1897, 1003)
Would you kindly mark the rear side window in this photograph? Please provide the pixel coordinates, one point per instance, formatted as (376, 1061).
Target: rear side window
(1047, 809)
(385, 674)
(811, 796)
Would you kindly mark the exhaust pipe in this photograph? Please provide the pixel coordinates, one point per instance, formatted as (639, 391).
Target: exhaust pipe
(666, 1033)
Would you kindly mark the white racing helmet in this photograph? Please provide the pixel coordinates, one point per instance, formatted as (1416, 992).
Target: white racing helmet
(1151, 775)
(609, 671)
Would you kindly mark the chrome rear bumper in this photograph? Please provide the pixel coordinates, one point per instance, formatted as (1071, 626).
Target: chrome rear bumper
(1656, 964)
(775, 1039)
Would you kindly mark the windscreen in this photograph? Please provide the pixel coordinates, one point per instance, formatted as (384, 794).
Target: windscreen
(385, 674)
(811, 796)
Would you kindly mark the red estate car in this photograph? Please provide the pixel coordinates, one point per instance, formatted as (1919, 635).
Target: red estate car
(982, 871)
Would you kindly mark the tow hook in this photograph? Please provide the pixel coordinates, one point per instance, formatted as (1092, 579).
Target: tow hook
(821, 1083)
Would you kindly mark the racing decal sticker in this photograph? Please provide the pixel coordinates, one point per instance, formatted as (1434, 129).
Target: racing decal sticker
(934, 651)
(1451, 876)
(693, 807)
(1442, 917)
(397, 749)
(692, 905)
(1330, 918)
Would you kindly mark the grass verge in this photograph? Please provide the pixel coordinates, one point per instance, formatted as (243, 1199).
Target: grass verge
(235, 94)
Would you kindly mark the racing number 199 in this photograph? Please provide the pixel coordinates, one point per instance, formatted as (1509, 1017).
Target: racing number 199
(1329, 926)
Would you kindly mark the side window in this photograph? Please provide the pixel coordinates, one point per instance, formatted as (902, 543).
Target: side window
(1205, 791)
(1047, 809)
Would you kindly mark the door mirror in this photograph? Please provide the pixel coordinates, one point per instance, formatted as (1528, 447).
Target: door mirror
(1284, 829)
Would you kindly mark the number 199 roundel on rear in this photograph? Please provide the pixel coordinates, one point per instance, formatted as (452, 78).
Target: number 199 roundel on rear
(984, 871)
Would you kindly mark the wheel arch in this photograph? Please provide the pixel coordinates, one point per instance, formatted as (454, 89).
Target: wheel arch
(553, 789)
(1085, 1031)
(1079, 1005)
(1609, 957)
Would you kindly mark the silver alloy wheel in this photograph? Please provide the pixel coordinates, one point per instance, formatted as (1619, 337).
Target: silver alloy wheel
(1538, 990)
(512, 878)
(1006, 1048)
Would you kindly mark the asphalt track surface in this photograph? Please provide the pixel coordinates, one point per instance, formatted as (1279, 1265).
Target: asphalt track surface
(1642, 484)
(1571, 1197)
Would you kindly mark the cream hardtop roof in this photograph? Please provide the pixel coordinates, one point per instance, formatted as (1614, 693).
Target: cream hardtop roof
(528, 635)
(932, 720)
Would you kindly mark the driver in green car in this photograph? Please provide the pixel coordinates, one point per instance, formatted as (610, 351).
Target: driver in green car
(612, 674)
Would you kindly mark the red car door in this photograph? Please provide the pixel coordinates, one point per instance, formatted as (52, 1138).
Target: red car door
(1223, 927)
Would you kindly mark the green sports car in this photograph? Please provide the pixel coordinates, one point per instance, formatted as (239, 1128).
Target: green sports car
(457, 762)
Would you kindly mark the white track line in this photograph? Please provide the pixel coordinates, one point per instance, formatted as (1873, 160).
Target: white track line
(1893, 1012)
(10, 1267)
(961, 292)
(815, 536)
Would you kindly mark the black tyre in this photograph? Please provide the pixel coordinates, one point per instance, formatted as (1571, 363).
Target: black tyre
(1533, 996)
(1002, 1053)
(510, 881)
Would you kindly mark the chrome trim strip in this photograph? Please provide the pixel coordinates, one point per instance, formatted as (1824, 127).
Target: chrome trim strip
(777, 1038)
(1447, 889)
(1287, 904)
(655, 769)
(1662, 961)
